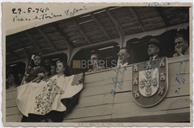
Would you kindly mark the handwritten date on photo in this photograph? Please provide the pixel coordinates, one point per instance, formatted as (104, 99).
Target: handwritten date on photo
(29, 10)
(20, 14)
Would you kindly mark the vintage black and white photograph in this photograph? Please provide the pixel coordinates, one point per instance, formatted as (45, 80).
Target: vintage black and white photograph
(97, 63)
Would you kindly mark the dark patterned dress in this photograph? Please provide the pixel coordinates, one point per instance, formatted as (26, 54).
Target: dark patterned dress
(33, 73)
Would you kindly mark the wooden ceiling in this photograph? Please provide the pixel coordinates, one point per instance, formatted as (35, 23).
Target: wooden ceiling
(91, 28)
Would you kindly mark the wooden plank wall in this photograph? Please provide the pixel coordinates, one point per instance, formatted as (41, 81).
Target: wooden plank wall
(97, 103)
(12, 112)
(177, 99)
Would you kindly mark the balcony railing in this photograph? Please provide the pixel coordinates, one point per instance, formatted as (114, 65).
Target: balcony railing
(98, 103)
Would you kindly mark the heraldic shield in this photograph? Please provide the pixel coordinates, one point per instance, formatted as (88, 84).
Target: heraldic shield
(150, 82)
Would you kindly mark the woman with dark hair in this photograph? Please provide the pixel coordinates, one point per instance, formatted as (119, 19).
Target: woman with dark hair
(35, 72)
(62, 74)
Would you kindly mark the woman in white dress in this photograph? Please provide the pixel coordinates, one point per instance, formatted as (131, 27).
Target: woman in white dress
(70, 92)
(51, 98)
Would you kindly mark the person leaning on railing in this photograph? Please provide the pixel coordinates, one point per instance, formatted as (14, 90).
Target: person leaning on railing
(123, 57)
(181, 45)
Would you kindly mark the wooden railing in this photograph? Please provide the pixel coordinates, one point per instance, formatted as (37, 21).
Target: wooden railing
(97, 102)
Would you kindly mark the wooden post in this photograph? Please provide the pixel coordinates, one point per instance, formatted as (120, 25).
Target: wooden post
(118, 28)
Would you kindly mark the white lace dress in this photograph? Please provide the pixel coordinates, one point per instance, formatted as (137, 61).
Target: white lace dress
(41, 98)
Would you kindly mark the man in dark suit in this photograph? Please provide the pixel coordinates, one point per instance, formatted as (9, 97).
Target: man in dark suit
(153, 49)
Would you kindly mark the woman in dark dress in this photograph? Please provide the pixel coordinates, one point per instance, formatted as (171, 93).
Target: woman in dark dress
(35, 70)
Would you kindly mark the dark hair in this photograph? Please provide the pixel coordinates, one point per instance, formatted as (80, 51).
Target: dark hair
(67, 71)
(53, 64)
(38, 54)
(182, 33)
(31, 61)
(155, 42)
(61, 61)
(94, 52)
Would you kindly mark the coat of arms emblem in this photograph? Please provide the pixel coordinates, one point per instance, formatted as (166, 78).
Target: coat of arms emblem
(149, 81)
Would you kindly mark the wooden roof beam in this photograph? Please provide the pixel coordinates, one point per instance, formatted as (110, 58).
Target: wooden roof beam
(100, 26)
(156, 32)
(163, 17)
(87, 21)
(81, 31)
(26, 53)
(117, 26)
(46, 37)
(14, 54)
(134, 13)
(25, 50)
(36, 46)
(68, 43)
